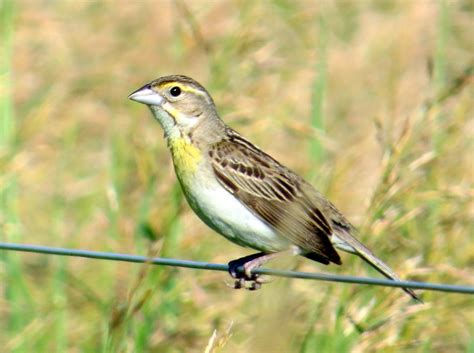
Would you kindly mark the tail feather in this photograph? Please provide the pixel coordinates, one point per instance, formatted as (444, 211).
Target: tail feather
(345, 241)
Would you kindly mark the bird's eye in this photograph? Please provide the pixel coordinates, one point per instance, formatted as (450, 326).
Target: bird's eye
(175, 91)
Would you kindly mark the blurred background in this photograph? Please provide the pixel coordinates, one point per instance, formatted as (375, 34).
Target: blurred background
(371, 101)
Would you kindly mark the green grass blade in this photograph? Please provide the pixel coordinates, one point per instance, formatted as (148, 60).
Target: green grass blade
(319, 93)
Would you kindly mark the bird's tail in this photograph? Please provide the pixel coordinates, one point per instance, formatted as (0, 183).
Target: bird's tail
(345, 241)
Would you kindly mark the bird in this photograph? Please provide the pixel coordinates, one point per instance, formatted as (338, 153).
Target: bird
(242, 192)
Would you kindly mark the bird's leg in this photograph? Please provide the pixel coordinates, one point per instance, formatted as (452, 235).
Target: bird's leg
(249, 263)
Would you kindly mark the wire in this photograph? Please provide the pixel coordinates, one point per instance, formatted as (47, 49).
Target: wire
(221, 267)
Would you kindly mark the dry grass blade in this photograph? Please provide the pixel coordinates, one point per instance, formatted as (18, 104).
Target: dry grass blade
(216, 343)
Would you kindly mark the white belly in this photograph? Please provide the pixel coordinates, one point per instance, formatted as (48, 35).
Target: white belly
(221, 211)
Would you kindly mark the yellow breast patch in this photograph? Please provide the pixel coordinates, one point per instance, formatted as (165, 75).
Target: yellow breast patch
(186, 157)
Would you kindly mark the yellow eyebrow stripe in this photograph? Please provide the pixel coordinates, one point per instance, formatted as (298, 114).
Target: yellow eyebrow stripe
(184, 88)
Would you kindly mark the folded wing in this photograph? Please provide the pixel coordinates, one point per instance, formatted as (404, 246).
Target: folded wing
(274, 194)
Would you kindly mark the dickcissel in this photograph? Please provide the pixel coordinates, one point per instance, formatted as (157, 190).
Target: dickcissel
(242, 192)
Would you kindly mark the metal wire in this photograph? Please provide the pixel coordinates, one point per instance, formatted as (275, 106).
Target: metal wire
(462, 289)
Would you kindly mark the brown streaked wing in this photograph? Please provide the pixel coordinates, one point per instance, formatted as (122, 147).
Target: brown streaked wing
(274, 194)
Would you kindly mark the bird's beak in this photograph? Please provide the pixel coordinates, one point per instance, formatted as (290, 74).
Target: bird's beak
(147, 96)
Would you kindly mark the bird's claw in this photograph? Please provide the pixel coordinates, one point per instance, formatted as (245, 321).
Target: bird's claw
(245, 279)
(252, 285)
(255, 285)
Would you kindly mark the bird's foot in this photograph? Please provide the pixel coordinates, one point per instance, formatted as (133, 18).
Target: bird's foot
(241, 269)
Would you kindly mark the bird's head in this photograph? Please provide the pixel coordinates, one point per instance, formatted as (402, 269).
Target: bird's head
(178, 102)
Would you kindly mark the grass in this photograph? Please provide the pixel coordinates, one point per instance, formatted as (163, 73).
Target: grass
(370, 100)
(16, 293)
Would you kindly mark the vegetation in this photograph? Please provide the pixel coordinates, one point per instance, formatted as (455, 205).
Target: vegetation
(371, 100)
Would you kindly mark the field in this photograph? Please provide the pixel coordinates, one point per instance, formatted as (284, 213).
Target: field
(371, 101)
